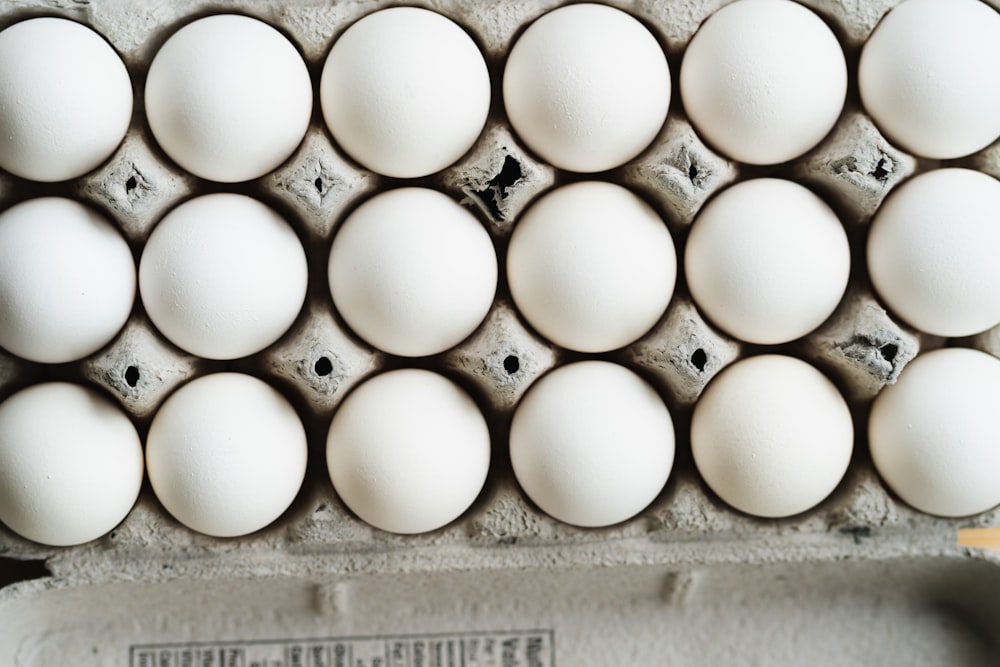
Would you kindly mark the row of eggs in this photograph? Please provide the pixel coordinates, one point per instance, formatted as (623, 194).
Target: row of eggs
(406, 91)
(590, 265)
(408, 451)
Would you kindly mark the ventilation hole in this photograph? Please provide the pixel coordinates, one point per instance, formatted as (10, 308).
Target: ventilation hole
(132, 376)
(131, 184)
(880, 172)
(511, 364)
(889, 351)
(693, 172)
(496, 189)
(510, 173)
(699, 359)
(318, 184)
(323, 366)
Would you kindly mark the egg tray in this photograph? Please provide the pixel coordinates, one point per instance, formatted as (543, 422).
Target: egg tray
(688, 576)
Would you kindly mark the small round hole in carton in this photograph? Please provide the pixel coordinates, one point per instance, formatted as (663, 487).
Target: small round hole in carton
(699, 359)
(511, 364)
(323, 366)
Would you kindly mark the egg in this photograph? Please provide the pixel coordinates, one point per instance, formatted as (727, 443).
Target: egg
(591, 266)
(228, 98)
(405, 91)
(67, 99)
(71, 464)
(226, 454)
(408, 451)
(412, 272)
(223, 276)
(767, 261)
(933, 435)
(586, 87)
(592, 444)
(67, 280)
(763, 81)
(932, 252)
(771, 436)
(929, 76)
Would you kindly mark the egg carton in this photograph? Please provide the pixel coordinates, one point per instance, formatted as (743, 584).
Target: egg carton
(860, 579)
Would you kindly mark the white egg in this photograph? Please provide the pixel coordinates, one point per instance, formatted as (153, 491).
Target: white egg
(763, 81)
(591, 266)
(933, 435)
(929, 76)
(405, 91)
(772, 436)
(412, 272)
(408, 451)
(592, 444)
(67, 280)
(587, 87)
(228, 98)
(70, 464)
(223, 276)
(67, 99)
(767, 261)
(932, 252)
(226, 454)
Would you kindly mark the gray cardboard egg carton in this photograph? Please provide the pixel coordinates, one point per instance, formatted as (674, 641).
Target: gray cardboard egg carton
(689, 581)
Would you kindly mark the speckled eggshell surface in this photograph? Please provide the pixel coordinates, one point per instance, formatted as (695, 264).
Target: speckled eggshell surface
(228, 98)
(67, 280)
(772, 436)
(592, 444)
(929, 76)
(932, 252)
(405, 91)
(408, 451)
(763, 80)
(934, 434)
(226, 454)
(71, 464)
(587, 87)
(67, 99)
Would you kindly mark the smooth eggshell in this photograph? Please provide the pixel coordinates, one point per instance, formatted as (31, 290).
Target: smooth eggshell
(767, 261)
(587, 87)
(412, 272)
(772, 436)
(226, 454)
(67, 99)
(228, 98)
(591, 266)
(932, 252)
(223, 276)
(934, 434)
(592, 444)
(67, 280)
(405, 91)
(408, 451)
(930, 76)
(763, 81)
(71, 464)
